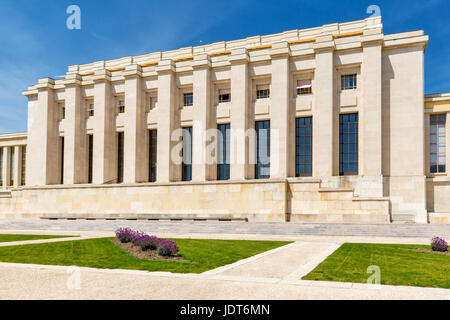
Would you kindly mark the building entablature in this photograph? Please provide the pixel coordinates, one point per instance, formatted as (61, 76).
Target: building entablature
(294, 43)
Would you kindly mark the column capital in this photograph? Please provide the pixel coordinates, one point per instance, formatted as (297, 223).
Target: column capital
(280, 49)
(372, 39)
(45, 84)
(324, 43)
(165, 66)
(132, 70)
(102, 75)
(201, 61)
(72, 79)
(239, 55)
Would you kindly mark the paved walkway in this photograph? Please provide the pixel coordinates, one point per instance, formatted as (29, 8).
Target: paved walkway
(271, 275)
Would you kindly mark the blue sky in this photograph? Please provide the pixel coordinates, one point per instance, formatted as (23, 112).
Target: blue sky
(35, 43)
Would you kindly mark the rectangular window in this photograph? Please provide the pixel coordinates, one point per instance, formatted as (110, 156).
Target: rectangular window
(348, 82)
(61, 157)
(24, 162)
(187, 154)
(348, 144)
(262, 91)
(437, 143)
(262, 168)
(90, 156)
(120, 157)
(11, 166)
(304, 87)
(152, 144)
(90, 109)
(223, 152)
(153, 100)
(188, 99)
(121, 107)
(62, 110)
(1, 166)
(303, 146)
(224, 95)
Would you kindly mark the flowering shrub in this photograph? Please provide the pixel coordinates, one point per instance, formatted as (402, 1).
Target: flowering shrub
(167, 248)
(125, 234)
(146, 242)
(164, 247)
(439, 244)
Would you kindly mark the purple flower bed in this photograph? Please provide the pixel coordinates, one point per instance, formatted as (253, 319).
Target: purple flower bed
(146, 242)
(167, 248)
(164, 247)
(439, 244)
(126, 235)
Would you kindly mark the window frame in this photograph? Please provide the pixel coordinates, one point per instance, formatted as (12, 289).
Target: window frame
(440, 166)
(306, 136)
(188, 102)
(348, 144)
(349, 81)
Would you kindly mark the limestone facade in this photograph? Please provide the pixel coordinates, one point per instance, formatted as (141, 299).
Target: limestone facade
(89, 149)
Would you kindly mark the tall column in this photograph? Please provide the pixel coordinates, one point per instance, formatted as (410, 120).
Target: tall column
(371, 108)
(447, 144)
(168, 121)
(42, 137)
(5, 167)
(135, 142)
(17, 161)
(104, 160)
(202, 168)
(75, 170)
(241, 116)
(324, 146)
(281, 113)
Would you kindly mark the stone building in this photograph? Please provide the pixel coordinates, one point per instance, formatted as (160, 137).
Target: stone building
(340, 109)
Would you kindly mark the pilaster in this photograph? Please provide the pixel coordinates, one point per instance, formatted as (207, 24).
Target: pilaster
(325, 115)
(75, 170)
(135, 133)
(168, 122)
(203, 120)
(104, 159)
(281, 119)
(6, 167)
(242, 118)
(42, 136)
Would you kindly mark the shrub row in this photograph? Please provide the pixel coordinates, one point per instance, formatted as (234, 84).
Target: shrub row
(164, 247)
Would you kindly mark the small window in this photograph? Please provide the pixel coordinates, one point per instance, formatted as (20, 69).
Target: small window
(304, 87)
(188, 99)
(152, 102)
(121, 106)
(224, 95)
(262, 91)
(90, 108)
(348, 82)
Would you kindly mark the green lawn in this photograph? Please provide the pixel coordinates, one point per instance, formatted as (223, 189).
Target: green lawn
(24, 237)
(102, 253)
(398, 266)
